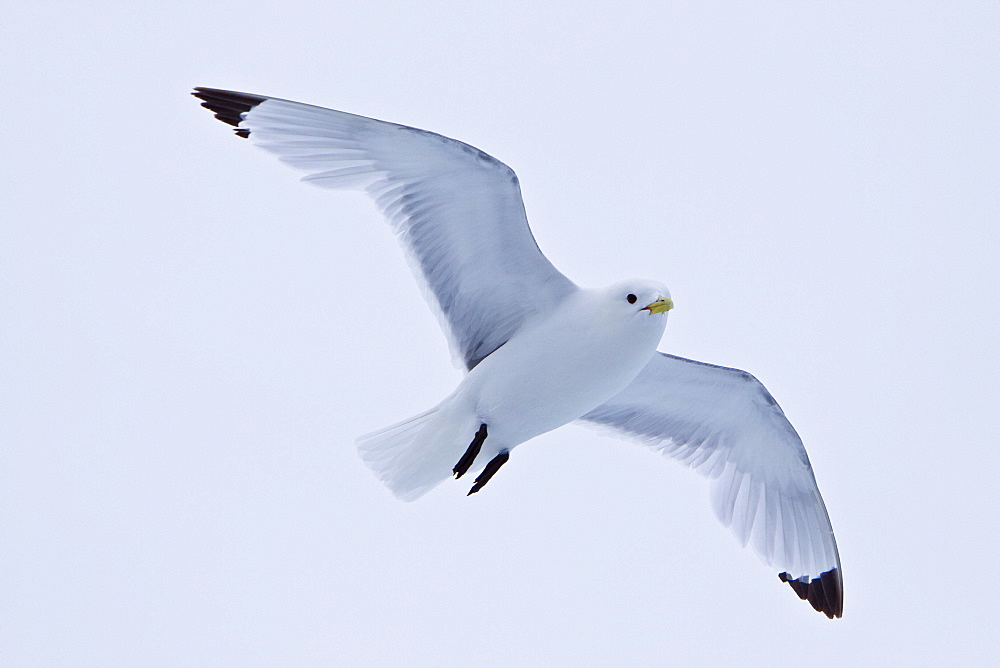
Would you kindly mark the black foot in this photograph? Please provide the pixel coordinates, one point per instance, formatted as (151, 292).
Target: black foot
(470, 455)
(488, 472)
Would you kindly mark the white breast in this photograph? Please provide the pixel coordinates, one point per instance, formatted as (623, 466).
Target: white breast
(560, 368)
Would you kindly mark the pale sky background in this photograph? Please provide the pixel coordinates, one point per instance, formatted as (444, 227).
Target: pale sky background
(191, 340)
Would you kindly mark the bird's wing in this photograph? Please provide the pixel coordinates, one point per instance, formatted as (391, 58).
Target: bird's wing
(457, 211)
(725, 425)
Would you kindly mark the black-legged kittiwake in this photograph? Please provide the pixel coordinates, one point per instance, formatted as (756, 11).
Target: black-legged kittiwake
(540, 351)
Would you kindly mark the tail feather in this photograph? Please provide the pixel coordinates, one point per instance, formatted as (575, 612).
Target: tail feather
(407, 456)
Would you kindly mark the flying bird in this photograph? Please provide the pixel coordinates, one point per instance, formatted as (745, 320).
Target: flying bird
(538, 350)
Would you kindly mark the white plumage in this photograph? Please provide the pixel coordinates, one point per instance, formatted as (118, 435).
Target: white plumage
(541, 352)
(552, 370)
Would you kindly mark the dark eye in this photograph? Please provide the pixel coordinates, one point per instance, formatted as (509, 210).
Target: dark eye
(631, 299)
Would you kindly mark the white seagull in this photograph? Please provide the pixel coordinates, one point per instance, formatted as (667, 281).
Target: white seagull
(540, 351)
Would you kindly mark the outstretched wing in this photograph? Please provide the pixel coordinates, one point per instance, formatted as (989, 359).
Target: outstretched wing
(725, 425)
(457, 211)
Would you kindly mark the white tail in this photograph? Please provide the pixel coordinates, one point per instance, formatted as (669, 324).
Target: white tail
(411, 457)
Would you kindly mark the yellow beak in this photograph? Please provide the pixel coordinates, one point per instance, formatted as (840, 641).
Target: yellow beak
(660, 305)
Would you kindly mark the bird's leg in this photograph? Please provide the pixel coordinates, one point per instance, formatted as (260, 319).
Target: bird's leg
(471, 453)
(488, 472)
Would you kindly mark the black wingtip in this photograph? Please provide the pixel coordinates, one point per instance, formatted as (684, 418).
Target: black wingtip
(228, 106)
(825, 593)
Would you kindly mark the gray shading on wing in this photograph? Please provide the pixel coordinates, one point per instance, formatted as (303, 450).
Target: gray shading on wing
(725, 425)
(457, 211)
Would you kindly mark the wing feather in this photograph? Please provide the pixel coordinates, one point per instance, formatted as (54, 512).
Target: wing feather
(456, 211)
(725, 425)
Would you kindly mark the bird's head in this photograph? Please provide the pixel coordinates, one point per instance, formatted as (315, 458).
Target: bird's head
(640, 298)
